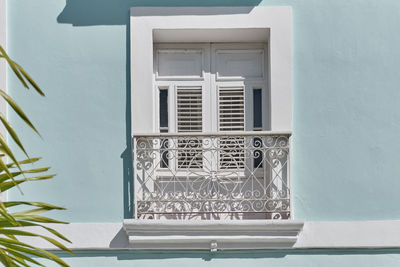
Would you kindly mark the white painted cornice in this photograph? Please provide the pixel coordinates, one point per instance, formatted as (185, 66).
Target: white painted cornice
(211, 235)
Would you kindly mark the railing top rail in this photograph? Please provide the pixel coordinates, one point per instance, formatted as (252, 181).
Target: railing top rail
(247, 133)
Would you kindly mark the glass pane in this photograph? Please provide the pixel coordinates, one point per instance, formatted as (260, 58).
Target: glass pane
(163, 109)
(257, 109)
(164, 127)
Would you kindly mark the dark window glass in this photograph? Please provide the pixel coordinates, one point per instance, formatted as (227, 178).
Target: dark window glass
(164, 153)
(163, 109)
(257, 126)
(257, 109)
(258, 154)
(164, 127)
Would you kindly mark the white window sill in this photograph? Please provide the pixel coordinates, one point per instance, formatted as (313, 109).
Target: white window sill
(211, 235)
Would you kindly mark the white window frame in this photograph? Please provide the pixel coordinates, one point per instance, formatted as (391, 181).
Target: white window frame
(151, 25)
(211, 83)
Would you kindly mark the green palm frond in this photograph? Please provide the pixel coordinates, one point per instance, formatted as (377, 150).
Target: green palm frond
(13, 224)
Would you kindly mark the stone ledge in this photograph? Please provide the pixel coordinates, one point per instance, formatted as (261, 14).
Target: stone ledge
(211, 235)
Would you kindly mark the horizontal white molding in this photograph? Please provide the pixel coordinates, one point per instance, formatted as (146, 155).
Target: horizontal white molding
(211, 35)
(314, 235)
(211, 235)
(210, 226)
(351, 234)
(230, 133)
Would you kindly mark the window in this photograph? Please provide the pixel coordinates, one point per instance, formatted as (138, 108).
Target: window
(211, 122)
(208, 163)
(232, 77)
(212, 87)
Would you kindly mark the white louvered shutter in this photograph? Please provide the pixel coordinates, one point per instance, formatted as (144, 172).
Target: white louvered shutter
(231, 108)
(189, 110)
(189, 119)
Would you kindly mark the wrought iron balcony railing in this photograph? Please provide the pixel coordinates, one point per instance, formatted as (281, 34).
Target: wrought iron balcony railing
(241, 175)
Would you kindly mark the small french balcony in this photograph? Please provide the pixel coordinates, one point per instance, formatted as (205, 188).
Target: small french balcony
(212, 176)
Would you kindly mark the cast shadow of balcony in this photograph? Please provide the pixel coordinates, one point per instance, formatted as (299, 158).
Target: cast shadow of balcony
(116, 12)
(155, 256)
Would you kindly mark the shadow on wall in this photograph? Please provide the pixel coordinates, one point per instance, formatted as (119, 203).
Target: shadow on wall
(209, 256)
(116, 12)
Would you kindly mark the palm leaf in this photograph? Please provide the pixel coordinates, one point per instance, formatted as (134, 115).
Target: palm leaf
(45, 254)
(18, 260)
(19, 71)
(29, 78)
(4, 167)
(4, 176)
(25, 233)
(21, 162)
(12, 251)
(22, 256)
(7, 216)
(7, 185)
(18, 110)
(13, 134)
(25, 223)
(37, 218)
(13, 67)
(35, 204)
(4, 258)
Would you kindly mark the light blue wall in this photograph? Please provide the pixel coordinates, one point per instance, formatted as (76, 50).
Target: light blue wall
(346, 96)
(386, 258)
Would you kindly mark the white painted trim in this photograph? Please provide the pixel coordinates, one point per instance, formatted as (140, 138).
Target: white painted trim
(3, 23)
(238, 51)
(314, 235)
(173, 78)
(233, 133)
(254, 35)
(148, 23)
(3, 70)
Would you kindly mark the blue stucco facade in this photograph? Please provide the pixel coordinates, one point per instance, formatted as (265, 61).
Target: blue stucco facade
(345, 117)
(234, 259)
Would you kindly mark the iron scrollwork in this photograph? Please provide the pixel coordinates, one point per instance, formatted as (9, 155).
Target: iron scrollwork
(212, 176)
